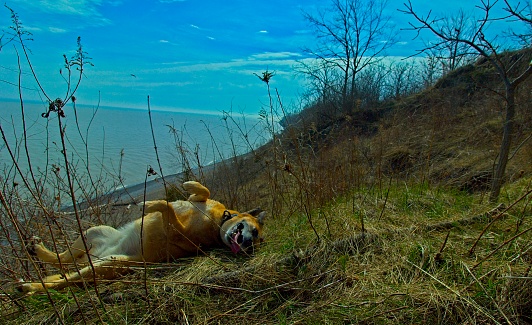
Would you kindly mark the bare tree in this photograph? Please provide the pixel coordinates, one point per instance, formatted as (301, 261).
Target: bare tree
(323, 80)
(429, 71)
(403, 79)
(352, 35)
(478, 42)
(370, 86)
(454, 54)
(522, 12)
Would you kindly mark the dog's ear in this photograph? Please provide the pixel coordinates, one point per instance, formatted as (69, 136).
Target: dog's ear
(257, 213)
(260, 217)
(254, 212)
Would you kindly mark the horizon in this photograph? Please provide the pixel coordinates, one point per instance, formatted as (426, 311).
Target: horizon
(186, 56)
(164, 109)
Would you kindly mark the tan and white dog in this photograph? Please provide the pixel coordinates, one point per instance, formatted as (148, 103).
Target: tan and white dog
(170, 230)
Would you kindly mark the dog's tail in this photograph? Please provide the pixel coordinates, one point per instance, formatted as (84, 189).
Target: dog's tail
(199, 193)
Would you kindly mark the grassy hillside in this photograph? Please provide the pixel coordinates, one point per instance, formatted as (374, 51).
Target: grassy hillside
(379, 216)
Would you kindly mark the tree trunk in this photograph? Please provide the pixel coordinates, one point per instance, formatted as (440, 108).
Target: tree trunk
(500, 168)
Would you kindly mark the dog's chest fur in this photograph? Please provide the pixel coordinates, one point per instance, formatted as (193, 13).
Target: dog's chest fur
(199, 216)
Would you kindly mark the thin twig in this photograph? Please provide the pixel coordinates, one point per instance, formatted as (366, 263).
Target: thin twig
(506, 242)
(472, 249)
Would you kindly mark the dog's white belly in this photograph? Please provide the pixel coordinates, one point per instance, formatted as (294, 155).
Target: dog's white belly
(122, 241)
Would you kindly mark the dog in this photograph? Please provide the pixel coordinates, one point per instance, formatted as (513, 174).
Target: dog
(170, 230)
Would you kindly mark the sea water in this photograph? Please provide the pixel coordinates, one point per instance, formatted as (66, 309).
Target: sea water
(118, 143)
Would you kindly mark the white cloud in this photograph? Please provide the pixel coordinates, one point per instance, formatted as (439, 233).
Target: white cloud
(242, 66)
(263, 32)
(194, 26)
(79, 8)
(32, 29)
(75, 7)
(274, 55)
(57, 30)
(164, 41)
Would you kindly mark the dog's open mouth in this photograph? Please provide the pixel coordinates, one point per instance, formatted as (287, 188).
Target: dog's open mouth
(236, 238)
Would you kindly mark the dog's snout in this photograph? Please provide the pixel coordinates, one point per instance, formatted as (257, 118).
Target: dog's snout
(244, 235)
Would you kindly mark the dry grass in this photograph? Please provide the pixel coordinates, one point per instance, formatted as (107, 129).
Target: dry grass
(392, 274)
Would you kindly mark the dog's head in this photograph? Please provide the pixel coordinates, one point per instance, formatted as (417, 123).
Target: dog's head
(242, 231)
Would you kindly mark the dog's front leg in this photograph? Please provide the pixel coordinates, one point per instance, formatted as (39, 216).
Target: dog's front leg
(168, 214)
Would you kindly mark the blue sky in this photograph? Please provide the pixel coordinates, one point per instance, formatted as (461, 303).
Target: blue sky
(187, 55)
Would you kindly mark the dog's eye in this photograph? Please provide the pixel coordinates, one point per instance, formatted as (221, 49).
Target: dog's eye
(255, 233)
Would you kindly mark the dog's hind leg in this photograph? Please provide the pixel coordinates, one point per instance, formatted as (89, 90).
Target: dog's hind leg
(108, 268)
(76, 252)
(45, 255)
(199, 193)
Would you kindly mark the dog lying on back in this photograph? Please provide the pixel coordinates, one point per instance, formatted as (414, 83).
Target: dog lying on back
(170, 230)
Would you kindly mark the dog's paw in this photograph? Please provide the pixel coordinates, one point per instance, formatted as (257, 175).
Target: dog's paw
(32, 243)
(23, 287)
(19, 285)
(199, 193)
